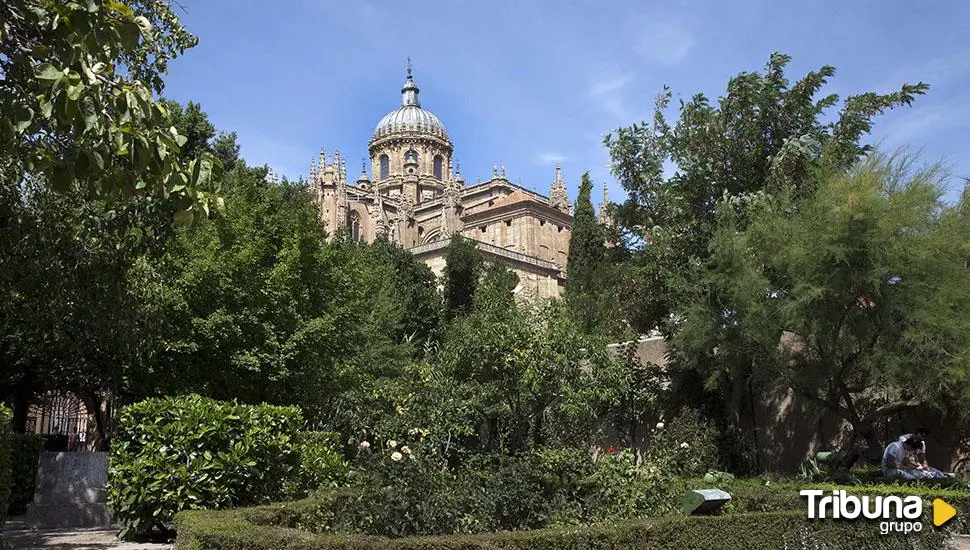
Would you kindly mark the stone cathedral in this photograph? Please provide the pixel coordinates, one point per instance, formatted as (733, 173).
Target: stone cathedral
(416, 198)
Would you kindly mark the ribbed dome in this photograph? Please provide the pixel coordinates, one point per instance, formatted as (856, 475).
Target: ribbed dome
(410, 117)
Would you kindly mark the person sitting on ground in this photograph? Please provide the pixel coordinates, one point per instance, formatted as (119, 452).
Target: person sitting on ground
(921, 433)
(919, 456)
(898, 461)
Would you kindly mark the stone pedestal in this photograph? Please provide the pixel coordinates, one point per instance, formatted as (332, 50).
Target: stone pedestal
(70, 491)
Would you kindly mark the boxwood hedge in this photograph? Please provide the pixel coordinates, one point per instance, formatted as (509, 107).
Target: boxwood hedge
(272, 527)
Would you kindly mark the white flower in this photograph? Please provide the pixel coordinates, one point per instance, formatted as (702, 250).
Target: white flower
(396, 456)
(414, 431)
(364, 445)
(406, 450)
(684, 445)
(660, 425)
(392, 443)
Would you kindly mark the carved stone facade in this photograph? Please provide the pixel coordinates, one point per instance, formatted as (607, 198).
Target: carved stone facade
(416, 198)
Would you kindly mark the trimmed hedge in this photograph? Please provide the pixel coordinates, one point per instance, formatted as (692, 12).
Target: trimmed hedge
(754, 495)
(25, 453)
(191, 452)
(271, 527)
(6, 473)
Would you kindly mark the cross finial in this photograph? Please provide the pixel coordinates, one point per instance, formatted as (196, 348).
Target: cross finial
(409, 66)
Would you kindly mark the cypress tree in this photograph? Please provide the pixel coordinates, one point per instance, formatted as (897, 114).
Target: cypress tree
(587, 251)
(463, 265)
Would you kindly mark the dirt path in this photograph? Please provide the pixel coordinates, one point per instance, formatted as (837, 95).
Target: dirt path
(17, 536)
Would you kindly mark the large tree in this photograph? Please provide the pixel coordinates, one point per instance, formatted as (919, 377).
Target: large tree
(463, 267)
(763, 136)
(855, 296)
(587, 249)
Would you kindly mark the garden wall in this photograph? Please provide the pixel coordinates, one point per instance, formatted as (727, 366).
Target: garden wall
(788, 428)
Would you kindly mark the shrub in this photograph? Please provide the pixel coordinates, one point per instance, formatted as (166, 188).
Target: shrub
(320, 465)
(191, 452)
(25, 452)
(6, 474)
(271, 528)
(420, 494)
(686, 446)
(619, 488)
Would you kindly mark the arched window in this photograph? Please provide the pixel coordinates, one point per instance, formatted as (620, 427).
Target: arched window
(353, 225)
(437, 167)
(385, 167)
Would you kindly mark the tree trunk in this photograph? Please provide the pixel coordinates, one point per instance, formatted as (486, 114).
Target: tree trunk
(21, 406)
(93, 402)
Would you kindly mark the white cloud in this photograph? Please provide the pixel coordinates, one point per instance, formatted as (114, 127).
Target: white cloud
(608, 94)
(610, 85)
(665, 42)
(549, 158)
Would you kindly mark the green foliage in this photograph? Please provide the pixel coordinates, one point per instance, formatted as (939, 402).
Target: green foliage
(859, 286)
(536, 375)
(74, 312)
(587, 249)
(25, 452)
(321, 466)
(686, 446)
(763, 135)
(406, 489)
(78, 97)
(267, 528)
(200, 134)
(190, 452)
(6, 457)
(255, 303)
(462, 269)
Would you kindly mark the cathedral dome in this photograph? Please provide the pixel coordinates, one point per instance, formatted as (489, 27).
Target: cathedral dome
(410, 117)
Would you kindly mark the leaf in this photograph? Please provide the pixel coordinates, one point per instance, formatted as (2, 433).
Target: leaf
(22, 117)
(46, 107)
(143, 25)
(90, 113)
(48, 72)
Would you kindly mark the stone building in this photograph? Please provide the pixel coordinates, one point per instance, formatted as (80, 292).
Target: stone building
(417, 199)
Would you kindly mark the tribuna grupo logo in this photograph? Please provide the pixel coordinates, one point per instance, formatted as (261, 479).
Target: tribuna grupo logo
(896, 514)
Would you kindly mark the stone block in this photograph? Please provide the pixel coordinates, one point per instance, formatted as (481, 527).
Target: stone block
(70, 491)
(704, 501)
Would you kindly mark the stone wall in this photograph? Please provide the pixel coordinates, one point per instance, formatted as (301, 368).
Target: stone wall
(787, 428)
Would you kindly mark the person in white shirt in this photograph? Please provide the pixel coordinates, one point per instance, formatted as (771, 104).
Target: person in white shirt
(899, 462)
(921, 434)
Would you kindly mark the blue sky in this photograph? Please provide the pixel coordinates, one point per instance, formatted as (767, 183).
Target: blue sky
(532, 83)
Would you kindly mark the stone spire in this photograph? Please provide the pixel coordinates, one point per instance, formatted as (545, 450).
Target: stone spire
(558, 197)
(459, 180)
(409, 92)
(362, 180)
(606, 210)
